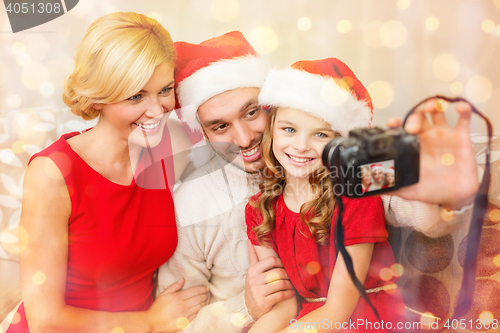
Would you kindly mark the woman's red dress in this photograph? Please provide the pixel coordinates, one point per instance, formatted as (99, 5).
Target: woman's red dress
(118, 236)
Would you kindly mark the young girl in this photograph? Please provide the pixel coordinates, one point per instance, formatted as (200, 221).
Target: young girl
(389, 178)
(291, 217)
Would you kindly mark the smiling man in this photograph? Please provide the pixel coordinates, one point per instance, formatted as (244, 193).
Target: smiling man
(219, 82)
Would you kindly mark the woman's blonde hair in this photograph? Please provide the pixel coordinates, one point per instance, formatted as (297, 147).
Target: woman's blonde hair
(114, 60)
(317, 214)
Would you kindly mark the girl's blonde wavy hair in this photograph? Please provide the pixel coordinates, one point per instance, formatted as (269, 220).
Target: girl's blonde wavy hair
(317, 214)
(114, 60)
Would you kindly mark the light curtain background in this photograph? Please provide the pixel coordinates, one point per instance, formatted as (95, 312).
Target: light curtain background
(401, 50)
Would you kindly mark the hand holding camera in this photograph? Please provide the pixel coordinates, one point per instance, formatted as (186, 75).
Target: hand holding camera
(433, 163)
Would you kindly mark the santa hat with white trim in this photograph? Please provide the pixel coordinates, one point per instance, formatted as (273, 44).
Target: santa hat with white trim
(376, 166)
(325, 88)
(212, 67)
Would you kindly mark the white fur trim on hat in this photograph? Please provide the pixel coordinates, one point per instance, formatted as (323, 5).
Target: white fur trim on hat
(317, 95)
(216, 78)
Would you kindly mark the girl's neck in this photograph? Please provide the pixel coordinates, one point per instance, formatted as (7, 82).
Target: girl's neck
(297, 192)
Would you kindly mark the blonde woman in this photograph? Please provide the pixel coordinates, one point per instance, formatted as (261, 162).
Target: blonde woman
(96, 236)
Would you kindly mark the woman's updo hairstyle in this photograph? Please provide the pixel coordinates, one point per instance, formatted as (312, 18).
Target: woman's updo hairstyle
(114, 60)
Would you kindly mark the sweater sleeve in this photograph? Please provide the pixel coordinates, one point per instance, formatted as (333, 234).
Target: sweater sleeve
(189, 262)
(429, 219)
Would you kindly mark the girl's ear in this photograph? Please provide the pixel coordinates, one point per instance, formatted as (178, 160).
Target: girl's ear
(97, 106)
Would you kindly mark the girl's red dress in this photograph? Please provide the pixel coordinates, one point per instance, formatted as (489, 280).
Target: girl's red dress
(310, 265)
(118, 235)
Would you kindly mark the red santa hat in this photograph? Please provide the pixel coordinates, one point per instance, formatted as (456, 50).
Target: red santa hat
(376, 166)
(390, 170)
(325, 88)
(212, 67)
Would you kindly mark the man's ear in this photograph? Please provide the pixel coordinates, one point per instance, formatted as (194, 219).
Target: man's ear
(97, 106)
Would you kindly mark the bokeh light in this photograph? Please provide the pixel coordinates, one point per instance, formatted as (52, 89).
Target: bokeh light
(432, 23)
(478, 89)
(47, 89)
(264, 40)
(23, 60)
(18, 147)
(225, 10)
(304, 23)
(344, 26)
(397, 270)
(14, 101)
(39, 278)
(403, 4)
(238, 319)
(486, 316)
(393, 34)
(446, 215)
(385, 274)
(497, 3)
(494, 215)
(446, 67)
(456, 87)
(34, 75)
(371, 34)
(382, 94)
(441, 105)
(7, 155)
(313, 267)
(217, 308)
(496, 260)
(181, 323)
(488, 26)
(117, 330)
(272, 277)
(447, 159)
(14, 239)
(18, 48)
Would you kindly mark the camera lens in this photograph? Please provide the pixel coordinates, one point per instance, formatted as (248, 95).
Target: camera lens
(331, 151)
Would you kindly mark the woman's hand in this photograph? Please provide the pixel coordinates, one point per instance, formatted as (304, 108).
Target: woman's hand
(173, 309)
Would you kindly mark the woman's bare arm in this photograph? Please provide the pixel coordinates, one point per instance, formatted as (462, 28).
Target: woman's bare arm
(43, 266)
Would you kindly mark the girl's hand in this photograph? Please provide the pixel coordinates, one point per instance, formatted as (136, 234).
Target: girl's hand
(173, 310)
(448, 171)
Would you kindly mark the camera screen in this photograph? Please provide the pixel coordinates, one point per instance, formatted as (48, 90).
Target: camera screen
(377, 175)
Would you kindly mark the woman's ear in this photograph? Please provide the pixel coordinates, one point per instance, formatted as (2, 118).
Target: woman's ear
(97, 106)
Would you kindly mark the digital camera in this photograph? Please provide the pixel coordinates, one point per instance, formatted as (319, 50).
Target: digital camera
(372, 161)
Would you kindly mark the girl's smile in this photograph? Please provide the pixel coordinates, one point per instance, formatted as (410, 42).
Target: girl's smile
(298, 141)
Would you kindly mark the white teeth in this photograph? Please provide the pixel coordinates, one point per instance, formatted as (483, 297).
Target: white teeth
(299, 159)
(148, 126)
(251, 152)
